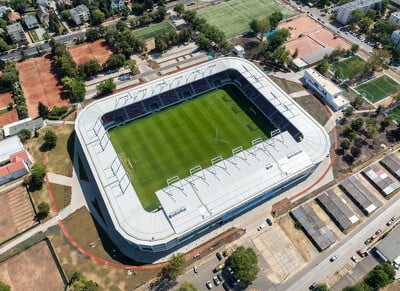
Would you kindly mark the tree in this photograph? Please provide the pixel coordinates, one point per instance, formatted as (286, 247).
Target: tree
(357, 124)
(114, 61)
(175, 267)
(50, 139)
(179, 8)
(43, 110)
(24, 135)
(323, 66)
(131, 65)
(44, 209)
(187, 286)
(358, 287)
(37, 177)
(264, 25)
(321, 287)
(98, 16)
(345, 144)
(93, 34)
(80, 283)
(357, 15)
(377, 278)
(387, 121)
(160, 44)
(4, 286)
(354, 48)
(275, 18)
(106, 86)
(358, 101)
(65, 14)
(245, 263)
(90, 68)
(278, 38)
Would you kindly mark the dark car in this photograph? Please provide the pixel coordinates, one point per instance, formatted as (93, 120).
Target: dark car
(313, 285)
(368, 241)
(226, 286)
(219, 256)
(269, 222)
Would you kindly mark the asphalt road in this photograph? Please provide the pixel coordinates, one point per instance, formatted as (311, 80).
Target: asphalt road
(321, 268)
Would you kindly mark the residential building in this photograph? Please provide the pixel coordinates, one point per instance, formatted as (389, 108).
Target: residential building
(395, 17)
(325, 89)
(117, 4)
(396, 37)
(80, 14)
(16, 32)
(43, 14)
(43, 3)
(31, 21)
(344, 12)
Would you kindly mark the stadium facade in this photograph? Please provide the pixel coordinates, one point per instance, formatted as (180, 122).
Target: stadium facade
(205, 198)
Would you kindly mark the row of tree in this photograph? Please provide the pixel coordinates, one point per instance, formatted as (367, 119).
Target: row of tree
(379, 277)
(172, 38)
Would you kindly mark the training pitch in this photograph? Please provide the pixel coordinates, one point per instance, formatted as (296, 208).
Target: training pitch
(153, 30)
(395, 113)
(169, 143)
(347, 66)
(378, 88)
(233, 17)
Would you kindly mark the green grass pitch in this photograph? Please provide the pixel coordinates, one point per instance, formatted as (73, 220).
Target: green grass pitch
(346, 66)
(170, 142)
(153, 30)
(233, 17)
(378, 88)
(395, 113)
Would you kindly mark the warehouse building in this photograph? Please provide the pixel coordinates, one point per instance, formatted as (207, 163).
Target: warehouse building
(392, 164)
(389, 248)
(381, 180)
(360, 195)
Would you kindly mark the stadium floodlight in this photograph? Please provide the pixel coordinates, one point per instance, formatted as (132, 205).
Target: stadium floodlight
(173, 182)
(236, 154)
(219, 162)
(275, 132)
(194, 173)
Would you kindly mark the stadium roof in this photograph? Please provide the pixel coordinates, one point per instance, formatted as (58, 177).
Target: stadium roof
(251, 173)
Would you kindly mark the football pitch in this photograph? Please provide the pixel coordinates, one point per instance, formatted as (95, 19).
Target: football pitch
(346, 66)
(378, 88)
(233, 17)
(153, 30)
(171, 142)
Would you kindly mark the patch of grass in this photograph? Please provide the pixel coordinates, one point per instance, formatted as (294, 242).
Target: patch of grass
(313, 107)
(153, 64)
(34, 35)
(62, 195)
(288, 86)
(59, 157)
(160, 146)
(346, 66)
(153, 30)
(378, 88)
(233, 17)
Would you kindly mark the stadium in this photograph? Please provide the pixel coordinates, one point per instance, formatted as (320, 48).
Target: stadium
(206, 194)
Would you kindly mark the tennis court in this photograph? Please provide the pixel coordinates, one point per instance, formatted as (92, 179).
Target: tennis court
(378, 88)
(169, 143)
(233, 17)
(153, 30)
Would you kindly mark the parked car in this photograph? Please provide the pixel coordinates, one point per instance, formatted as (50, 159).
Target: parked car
(393, 219)
(373, 237)
(378, 231)
(195, 269)
(269, 222)
(312, 286)
(261, 227)
(389, 222)
(209, 285)
(218, 268)
(354, 259)
(220, 277)
(230, 271)
(219, 256)
(332, 259)
(368, 241)
(362, 253)
(216, 281)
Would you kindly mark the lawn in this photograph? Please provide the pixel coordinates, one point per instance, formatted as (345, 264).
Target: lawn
(313, 107)
(158, 147)
(62, 195)
(346, 66)
(153, 30)
(378, 88)
(34, 35)
(288, 86)
(233, 17)
(395, 113)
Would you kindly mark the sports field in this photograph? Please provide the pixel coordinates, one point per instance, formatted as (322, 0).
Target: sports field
(346, 66)
(169, 143)
(395, 113)
(153, 30)
(233, 17)
(378, 88)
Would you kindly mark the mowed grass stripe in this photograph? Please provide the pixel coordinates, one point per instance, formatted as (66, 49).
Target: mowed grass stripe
(178, 138)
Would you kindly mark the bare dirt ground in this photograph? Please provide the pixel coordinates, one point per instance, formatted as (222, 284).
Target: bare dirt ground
(298, 238)
(8, 117)
(33, 269)
(40, 83)
(5, 98)
(98, 51)
(16, 213)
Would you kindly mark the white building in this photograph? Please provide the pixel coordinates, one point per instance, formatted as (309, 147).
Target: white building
(117, 4)
(238, 50)
(80, 14)
(328, 91)
(395, 17)
(345, 11)
(396, 37)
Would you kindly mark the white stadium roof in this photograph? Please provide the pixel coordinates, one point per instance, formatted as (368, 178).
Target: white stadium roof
(201, 198)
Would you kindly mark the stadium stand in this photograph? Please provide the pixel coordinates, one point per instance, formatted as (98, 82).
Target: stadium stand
(201, 86)
(169, 98)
